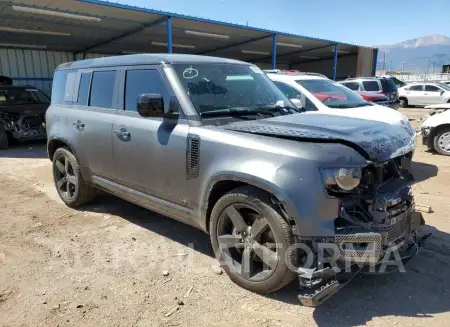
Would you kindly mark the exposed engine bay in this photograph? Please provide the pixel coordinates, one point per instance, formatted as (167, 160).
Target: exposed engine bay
(377, 225)
(24, 126)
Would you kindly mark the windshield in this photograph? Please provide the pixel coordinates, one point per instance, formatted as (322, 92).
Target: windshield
(444, 86)
(13, 96)
(213, 87)
(332, 94)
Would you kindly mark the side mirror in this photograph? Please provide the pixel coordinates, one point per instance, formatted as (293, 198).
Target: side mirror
(150, 105)
(442, 92)
(297, 102)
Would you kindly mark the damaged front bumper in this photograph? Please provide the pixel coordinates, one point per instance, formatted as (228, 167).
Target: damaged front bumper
(360, 253)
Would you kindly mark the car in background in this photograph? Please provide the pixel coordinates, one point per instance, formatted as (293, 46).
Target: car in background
(435, 131)
(446, 82)
(375, 85)
(397, 82)
(314, 93)
(22, 114)
(422, 94)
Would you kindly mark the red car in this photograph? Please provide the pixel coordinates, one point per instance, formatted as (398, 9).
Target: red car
(377, 98)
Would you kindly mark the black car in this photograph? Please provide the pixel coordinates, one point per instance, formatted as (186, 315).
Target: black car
(22, 114)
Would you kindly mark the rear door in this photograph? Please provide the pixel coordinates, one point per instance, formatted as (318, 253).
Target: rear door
(433, 95)
(149, 153)
(96, 102)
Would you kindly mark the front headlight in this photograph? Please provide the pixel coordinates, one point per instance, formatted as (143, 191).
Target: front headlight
(345, 178)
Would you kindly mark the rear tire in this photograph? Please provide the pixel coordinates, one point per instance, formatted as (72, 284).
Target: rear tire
(403, 103)
(3, 138)
(69, 183)
(245, 228)
(441, 141)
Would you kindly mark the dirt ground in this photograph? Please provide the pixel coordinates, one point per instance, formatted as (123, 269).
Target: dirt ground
(103, 265)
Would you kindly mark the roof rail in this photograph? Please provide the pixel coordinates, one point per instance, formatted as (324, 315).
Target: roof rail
(271, 71)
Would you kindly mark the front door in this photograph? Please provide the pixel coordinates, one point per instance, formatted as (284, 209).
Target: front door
(149, 153)
(433, 95)
(415, 94)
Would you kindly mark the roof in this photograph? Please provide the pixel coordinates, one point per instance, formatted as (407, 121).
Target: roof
(147, 59)
(294, 77)
(68, 25)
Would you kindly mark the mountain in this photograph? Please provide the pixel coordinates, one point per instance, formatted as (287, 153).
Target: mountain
(417, 55)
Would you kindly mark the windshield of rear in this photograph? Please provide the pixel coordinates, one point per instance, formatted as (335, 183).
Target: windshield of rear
(212, 86)
(15, 96)
(444, 86)
(332, 94)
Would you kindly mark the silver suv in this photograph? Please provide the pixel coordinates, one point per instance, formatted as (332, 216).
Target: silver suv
(213, 143)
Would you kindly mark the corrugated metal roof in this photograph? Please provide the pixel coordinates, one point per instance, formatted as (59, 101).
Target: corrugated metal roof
(112, 28)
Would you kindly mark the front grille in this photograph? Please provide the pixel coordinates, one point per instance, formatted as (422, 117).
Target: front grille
(350, 247)
(396, 231)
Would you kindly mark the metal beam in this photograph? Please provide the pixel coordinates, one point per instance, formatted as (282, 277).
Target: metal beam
(335, 60)
(236, 44)
(324, 58)
(126, 34)
(169, 34)
(297, 51)
(274, 51)
(375, 60)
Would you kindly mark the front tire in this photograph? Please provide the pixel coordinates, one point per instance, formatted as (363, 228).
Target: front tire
(3, 138)
(441, 141)
(252, 241)
(71, 187)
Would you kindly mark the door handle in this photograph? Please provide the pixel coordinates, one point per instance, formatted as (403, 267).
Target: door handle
(122, 134)
(79, 125)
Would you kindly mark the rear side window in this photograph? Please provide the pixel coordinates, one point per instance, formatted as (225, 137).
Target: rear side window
(102, 89)
(144, 81)
(371, 86)
(415, 88)
(83, 91)
(432, 88)
(352, 86)
(59, 86)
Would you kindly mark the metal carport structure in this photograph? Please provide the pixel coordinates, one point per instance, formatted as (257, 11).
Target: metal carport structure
(37, 35)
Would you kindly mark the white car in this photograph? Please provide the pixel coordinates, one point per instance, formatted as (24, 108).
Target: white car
(313, 92)
(422, 94)
(435, 130)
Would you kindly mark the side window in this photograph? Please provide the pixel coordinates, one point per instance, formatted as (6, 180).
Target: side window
(59, 86)
(352, 86)
(102, 89)
(371, 86)
(432, 88)
(415, 88)
(83, 91)
(288, 91)
(292, 93)
(142, 81)
(70, 85)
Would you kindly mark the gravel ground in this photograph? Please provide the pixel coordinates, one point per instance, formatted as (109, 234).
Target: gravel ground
(115, 264)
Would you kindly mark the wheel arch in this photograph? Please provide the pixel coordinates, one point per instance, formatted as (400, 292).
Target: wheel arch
(221, 184)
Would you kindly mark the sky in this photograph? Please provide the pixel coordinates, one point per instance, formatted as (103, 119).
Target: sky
(362, 22)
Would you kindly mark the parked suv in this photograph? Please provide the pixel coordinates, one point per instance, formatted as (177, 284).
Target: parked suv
(213, 143)
(381, 85)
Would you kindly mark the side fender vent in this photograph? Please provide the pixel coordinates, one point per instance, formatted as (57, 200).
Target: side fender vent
(193, 156)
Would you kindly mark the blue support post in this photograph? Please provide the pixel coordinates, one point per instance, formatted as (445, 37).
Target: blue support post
(274, 51)
(169, 34)
(375, 60)
(335, 59)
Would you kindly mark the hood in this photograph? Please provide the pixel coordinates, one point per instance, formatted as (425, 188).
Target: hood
(25, 109)
(372, 96)
(374, 140)
(375, 112)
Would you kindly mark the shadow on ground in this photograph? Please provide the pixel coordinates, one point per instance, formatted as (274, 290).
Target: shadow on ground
(34, 149)
(172, 229)
(423, 171)
(420, 292)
